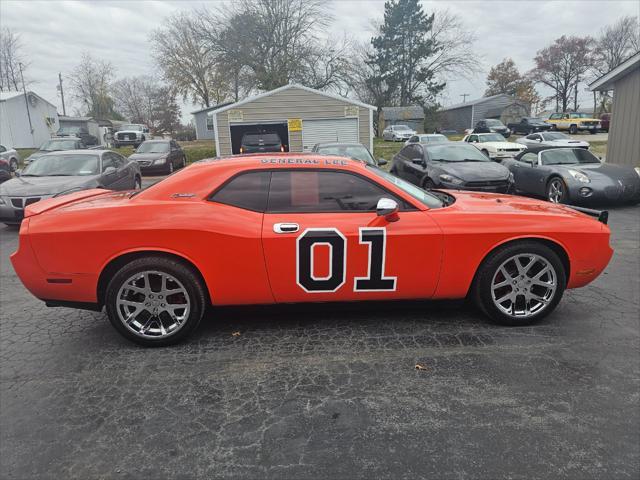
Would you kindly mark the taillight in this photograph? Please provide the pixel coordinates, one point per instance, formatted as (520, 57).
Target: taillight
(241, 150)
(282, 148)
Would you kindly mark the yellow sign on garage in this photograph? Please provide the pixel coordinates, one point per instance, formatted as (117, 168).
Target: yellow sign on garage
(295, 124)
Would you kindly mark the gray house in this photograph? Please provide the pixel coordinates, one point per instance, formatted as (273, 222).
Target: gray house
(204, 121)
(623, 146)
(411, 116)
(502, 107)
(300, 115)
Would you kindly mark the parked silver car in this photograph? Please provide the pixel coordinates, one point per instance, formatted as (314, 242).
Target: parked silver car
(60, 173)
(427, 138)
(11, 156)
(397, 133)
(552, 139)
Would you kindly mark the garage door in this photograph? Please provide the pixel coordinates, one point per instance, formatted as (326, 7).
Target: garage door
(334, 130)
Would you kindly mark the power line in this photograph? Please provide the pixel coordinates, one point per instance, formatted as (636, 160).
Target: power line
(464, 97)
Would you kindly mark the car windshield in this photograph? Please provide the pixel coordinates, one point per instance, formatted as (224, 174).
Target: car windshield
(62, 165)
(535, 120)
(491, 137)
(256, 139)
(455, 153)
(494, 123)
(357, 152)
(153, 147)
(419, 194)
(433, 139)
(70, 130)
(55, 145)
(401, 127)
(580, 115)
(567, 156)
(554, 136)
(135, 128)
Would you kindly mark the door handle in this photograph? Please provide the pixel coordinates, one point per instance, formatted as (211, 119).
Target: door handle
(286, 227)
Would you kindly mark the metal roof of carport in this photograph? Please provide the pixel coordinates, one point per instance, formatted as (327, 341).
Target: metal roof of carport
(287, 87)
(606, 81)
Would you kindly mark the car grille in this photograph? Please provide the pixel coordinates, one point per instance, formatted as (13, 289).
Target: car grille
(23, 202)
(144, 163)
(487, 183)
(126, 136)
(511, 149)
(590, 123)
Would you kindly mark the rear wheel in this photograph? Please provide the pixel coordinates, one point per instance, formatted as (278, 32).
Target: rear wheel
(573, 129)
(155, 301)
(557, 190)
(520, 283)
(169, 167)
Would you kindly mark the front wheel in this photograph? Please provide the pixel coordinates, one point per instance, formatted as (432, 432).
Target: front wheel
(557, 190)
(13, 164)
(519, 284)
(155, 301)
(573, 129)
(137, 183)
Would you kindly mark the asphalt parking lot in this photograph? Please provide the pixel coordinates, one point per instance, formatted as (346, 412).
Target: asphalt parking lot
(330, 391)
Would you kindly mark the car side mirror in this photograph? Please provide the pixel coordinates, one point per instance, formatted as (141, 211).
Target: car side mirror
(418, 161)
(109, 170)
(381, 162)
(388, 209)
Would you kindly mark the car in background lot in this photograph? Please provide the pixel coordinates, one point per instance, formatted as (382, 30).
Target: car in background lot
(5, 170)
(264, 141)
(528, 125)
(11, 156)
(62, 173)
(574, 122)
(131, 134)
(355, 151)
(159, 156)
(552, 139)
(56, 145)
(491, 125)
(291, 229)
(494, 145)
(427, 138)
(573, 176)
(397, 133)
(79, 132)
(450, 165)
(605, 121)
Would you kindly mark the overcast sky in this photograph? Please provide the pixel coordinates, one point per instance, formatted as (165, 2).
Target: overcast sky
(55, 33)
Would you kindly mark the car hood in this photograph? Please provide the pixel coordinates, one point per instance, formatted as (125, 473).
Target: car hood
(475, 171)
(37, 154)
(147, 156)
(596, 171)
(500, 145)
(34, 186)
(566, 143)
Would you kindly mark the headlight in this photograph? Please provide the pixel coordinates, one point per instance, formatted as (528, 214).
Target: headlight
(71, 190)
(637, 169)
(159, 161)
(451, 179)
(579, 176)
(2, 202)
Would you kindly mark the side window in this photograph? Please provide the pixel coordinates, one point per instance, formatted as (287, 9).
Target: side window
(313, 191)
(554, 116)
(472, 139)
(532, 137)
(2, 149)
(529, 158)
(118, 161)
(248, 191)
(107, 161)
(413, 139)
(406, 151)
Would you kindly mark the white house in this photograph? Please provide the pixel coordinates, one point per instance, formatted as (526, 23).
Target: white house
(15, 129)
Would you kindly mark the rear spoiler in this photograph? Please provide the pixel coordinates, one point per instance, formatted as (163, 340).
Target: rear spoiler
(601, 215)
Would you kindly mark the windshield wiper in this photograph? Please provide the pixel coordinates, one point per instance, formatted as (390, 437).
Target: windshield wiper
(442, 160)
(473, 160)
(59, 175)
(28, 175)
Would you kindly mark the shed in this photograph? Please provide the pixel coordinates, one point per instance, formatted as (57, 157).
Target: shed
(203, 120)
(84, 122)
(300, 115)
(15, 112)
(411, 116)
(623, 146)
(503, 107)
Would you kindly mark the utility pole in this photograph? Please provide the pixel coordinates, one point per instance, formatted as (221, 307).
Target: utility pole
(26, 101)
(464, 97)
(64, 110)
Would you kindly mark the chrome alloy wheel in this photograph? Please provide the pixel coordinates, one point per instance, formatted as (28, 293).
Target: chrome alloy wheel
(556, 190)
(524, 285)
(153, 304)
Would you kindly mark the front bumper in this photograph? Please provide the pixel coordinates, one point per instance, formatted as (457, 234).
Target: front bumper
(128, 141)
(12, 207)
(493, 186)
(613, 194)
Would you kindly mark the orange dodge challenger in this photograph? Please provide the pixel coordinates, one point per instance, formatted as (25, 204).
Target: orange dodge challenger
(281, 228)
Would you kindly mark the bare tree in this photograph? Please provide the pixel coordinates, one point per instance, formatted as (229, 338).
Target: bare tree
(562, 66)
(186, 60)
(10, 59)
(615, 44)
(91, 87)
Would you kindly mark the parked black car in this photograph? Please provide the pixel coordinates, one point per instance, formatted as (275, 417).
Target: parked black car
(257, 142)
(529, 125)
(159, 156)
(80, 132)
(491, 125)
(452, 165)
(357, 151)
(573, 176)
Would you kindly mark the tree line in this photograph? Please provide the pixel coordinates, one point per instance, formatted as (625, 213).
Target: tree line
(217, 54)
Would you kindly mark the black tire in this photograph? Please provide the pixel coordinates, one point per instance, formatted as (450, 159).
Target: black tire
(573, 129)
(559, 182)
(137, 183)
(184, 273)
(169, 168)
(184, 162)
(481, 292)
(593, 132)
(427, 184)
(13, 164)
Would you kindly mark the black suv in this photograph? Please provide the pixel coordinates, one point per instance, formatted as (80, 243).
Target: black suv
(256, 142)
(491, 125)
(80, 132)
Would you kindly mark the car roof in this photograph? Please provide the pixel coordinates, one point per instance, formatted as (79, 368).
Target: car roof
(79, 152)
(65, 138)
(339, 144)
(159, 140)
